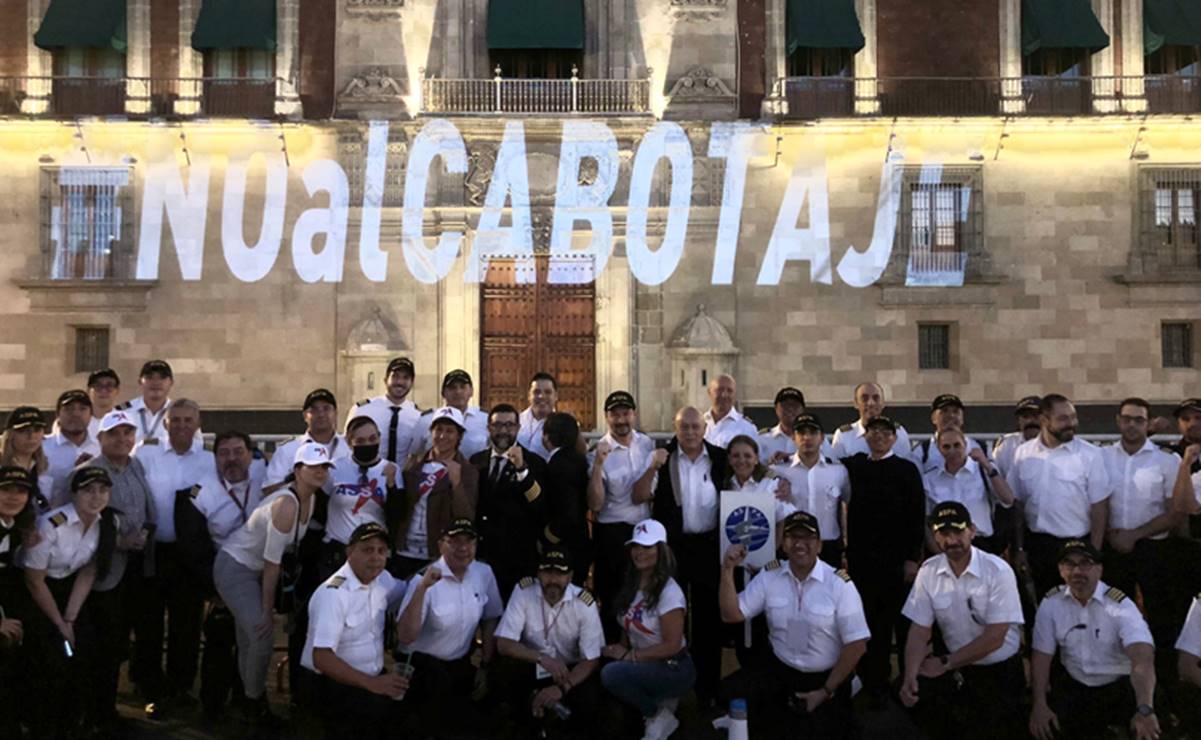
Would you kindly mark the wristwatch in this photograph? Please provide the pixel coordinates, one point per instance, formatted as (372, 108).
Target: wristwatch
(1145, 710)
(993, 473)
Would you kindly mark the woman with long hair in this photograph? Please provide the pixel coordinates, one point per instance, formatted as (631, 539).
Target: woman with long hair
(74, 549)
(650, 668)
(362, 485)
(21, 446)
(261, 556)
(749, 475)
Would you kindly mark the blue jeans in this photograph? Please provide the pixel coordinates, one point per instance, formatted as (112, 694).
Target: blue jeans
(646, 685)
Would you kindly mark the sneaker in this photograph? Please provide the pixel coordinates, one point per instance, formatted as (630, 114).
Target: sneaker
(662, 724)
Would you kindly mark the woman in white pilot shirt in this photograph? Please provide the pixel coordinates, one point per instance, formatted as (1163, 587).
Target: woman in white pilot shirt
(361, 485)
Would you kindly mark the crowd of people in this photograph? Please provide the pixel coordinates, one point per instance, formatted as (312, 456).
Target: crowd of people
(460, 571)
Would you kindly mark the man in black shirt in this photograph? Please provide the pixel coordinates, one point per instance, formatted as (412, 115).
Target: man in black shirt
(565, 481)
(885, 530)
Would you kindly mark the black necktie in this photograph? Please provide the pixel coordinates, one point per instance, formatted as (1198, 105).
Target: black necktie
(392, 434)
(498, 463)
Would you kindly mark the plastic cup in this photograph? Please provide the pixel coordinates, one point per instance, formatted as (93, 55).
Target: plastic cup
(404, 670)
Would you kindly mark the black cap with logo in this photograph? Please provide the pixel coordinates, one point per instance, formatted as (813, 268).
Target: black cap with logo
(1078, 547)
(555, 559)
(944, 400)
(321, 394)
(95, 376)
(1029, 403)
(460, 526)
(74, 395)
(14, 476)
(807, 421)
(788, 393)
(84, 477)
(881, 421)
(619, 399)
(156, 367)
(950, 515)
(456, 376)
(1188, 404)
(23, 417)
(801, 522)
(401, 365)
(367, 531)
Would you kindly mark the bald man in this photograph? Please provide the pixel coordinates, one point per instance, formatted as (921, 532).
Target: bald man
(722, 420)
(682, 488)
(849, 440)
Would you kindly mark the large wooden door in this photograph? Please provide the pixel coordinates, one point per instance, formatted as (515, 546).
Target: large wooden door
(539, 326)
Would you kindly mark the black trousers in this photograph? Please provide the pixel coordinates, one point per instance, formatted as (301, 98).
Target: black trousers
(114, 613)
(1085, 712)
(172, 591)
(351, 713)
(773, 712)
(978, 701)
(219, 677)
(439, 695)
(831, 553)
(699, 572)
(518, 683)
(1042, 554)
(609, 569)
(56, 684)
(883, 590)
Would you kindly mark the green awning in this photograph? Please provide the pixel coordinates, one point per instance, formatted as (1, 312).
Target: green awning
(1171, 22)
(823, 24)
(90, 24)
(1061, 24)
(536, 24)
(235, 24)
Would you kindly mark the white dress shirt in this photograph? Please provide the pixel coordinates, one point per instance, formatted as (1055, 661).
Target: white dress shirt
(347, 616)
(282, 460)
(820, 491)
(1004, 450)
(61, 453)
(767, 484)
(1092, 639)
(1142, 484)
(168, 471)
(529, 435)
(963, 606)
(775, 440)
(847, 444)
(452, 610)
(227, 506)
(719, 432)
(965, 486)
(810, 621)
(64, 546)
(379, 410)
(934, 458)
(1190, 635)
(622, 468)
(1058, 485)
(569, 631)
(698, 492)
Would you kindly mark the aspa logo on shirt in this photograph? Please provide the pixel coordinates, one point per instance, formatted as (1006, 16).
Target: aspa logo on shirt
(430, 475)
(368, 491)
(633, 618)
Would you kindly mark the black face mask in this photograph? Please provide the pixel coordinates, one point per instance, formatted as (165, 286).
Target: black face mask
(365, 454)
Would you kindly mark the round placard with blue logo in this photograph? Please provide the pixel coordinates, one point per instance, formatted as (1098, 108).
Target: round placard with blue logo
(748, 526)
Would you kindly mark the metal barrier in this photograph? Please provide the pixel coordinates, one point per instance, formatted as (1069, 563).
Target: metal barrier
(511, 95)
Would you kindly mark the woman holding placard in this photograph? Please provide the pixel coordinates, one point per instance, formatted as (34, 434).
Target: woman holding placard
(749, 475)
(651, 668)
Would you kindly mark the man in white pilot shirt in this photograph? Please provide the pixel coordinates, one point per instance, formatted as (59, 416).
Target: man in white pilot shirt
(850, 439)
(723, 422)
(394, 413)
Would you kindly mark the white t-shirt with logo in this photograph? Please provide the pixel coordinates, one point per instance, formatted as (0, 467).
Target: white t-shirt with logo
(643, 624)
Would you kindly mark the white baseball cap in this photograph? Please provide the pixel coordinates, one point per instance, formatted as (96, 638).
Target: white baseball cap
(311, 453)
(116, 418)
(648, 533)
(449, 413)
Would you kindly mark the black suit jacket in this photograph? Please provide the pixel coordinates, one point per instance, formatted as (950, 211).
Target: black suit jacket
(565, 484)
(664, 507)
(509, 514)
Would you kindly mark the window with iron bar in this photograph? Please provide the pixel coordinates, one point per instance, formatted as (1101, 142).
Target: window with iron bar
(85, 229)
(1177, 343)
(940, 222)
(934, 346)
(91, 348)
(1169, 200)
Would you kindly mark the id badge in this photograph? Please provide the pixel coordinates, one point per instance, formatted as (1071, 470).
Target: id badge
(540, 672)
(798, 633)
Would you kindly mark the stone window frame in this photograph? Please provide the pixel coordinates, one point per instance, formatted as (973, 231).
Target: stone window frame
(929, 356)
(978, 265)
(1147, 259)
(1177, 349)
(92, 348)
(53, 263)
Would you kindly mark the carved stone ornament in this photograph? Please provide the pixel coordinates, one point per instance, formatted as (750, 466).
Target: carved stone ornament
(700, 82)
(693, 8)
(373, 86)
(374, 7)
(480, 163)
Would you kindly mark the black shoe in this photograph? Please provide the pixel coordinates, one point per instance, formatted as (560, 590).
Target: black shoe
(155, 710)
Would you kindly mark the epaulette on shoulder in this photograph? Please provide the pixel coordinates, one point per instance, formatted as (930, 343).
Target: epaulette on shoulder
(194, 491)
(124, 406)
(765, 431)
(336, 582)
(58, 519)
(773, 565)
(587, 597)
(1052, 592)
(829, 460)
(363, 402)
(1116, 594)
(257, 454)
(846, 428)
(526, 582)
(843, 575)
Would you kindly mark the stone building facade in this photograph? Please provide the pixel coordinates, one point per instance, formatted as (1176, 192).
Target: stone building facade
(1045, 237)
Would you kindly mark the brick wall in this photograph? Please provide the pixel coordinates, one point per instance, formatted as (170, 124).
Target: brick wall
(938, 38)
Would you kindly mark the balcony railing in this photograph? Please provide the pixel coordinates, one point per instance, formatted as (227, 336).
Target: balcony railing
(243, 97)
(512, 95)
(835, 97)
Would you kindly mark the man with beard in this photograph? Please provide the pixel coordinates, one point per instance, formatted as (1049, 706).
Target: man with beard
(1061, 485)
(967, 683)
(683, 487)
(1188, 476)
(1027, 414)
(1101, 640)
(619, 460)
(851, 439)
(71, 444)
(722, 420)
(509, 512)
(551, 638)
(544, 394)
(394, 413)
(345, 641)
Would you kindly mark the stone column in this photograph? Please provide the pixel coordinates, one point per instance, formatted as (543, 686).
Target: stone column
(1133, 94)
(137, 57)
(1105, 86)
(287, 48)
(1011, 56)
(866, 68)
(191, 62)
(775, 57)
(39, 64)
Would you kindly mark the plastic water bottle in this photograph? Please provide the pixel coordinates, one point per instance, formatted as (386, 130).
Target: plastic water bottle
(734, 723)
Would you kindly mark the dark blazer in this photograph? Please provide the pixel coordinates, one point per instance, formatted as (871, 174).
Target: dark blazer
(664, 506)
(446, 503)
(509, 513)
(565, 487)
